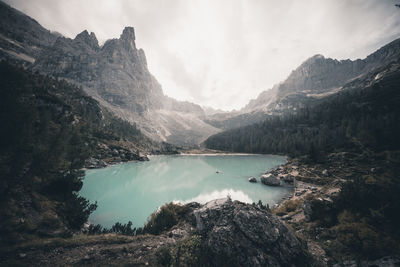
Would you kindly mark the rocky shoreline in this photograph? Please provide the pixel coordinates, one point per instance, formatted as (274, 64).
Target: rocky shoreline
(106, 155)
(316, 187)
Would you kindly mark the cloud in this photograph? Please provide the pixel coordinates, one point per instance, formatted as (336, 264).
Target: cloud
(223, 53)
(218, 194)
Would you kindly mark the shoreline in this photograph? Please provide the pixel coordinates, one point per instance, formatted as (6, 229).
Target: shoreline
(224, 154)
(312, 211)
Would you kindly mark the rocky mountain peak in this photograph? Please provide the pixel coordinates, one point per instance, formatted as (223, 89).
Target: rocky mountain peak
(115, 74)
(90, 40)
(385, 54)
(315, 58)
(128, 38)
(315, 62)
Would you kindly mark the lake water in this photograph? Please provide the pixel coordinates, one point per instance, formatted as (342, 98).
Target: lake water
(132, 191)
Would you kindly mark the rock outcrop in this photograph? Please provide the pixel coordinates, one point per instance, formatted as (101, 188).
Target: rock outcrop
(245, 235)
(319, 208)
(270, 179)
(112, 154)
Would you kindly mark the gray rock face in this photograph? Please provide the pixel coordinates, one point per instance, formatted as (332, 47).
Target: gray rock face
(270, 179)
(312, 81)
(319, 76)
(21, 37)
(116, 74)
(246, 235)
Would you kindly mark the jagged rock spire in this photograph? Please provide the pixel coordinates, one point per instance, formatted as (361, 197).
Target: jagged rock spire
(128, 38)
(90, 40)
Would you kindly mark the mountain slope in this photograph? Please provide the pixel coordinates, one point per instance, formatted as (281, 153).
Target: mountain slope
(21, 37)
(364, 114)
(319, 76)
(315, 79)
(115, 74)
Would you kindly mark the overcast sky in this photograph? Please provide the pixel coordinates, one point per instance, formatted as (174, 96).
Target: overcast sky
(223, 53)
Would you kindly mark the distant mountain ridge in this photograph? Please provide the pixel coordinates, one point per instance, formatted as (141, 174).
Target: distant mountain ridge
(319, 75)
(363, 115)
(314, 79)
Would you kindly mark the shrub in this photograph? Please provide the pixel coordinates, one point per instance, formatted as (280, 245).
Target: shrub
(117, 228)
(164, 257)
(76, 211)
(288, 206)
(163, 219)
(354, 235)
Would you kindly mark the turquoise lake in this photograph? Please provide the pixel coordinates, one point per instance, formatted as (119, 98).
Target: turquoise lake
(132, 191)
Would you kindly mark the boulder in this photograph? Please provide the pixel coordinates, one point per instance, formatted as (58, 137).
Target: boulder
(319, 209)
(288, 179)
(270, 180)
(243, 235)
(115, 152)
(143, 158)
(93, 163)
(252, 179)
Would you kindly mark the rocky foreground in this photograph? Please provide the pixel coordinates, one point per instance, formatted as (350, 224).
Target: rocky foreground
(219, 233)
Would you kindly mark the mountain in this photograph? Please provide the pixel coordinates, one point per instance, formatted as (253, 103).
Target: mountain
(115, 74)
(21, 37)
(319, 76)
(315, 79)
(364, 114)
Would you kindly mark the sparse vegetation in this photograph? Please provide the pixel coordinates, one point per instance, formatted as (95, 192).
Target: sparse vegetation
(288, 206)
(190, 252)
(117, 228)
(163, 219)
